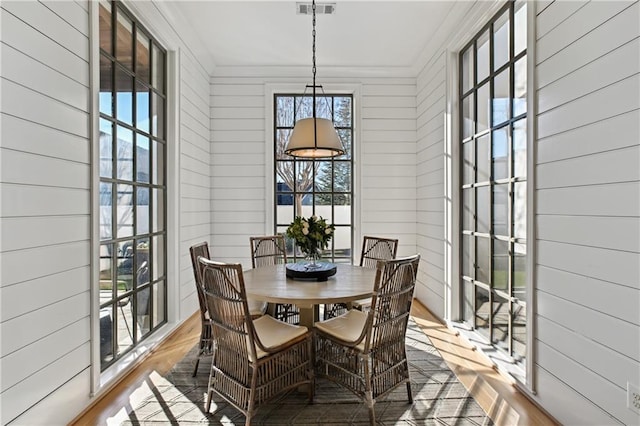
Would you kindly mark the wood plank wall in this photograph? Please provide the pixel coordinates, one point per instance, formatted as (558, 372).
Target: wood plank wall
(44, 216)
(239, 131)
(45, 187)
(431, 102)
(588, 208)
(588, 205)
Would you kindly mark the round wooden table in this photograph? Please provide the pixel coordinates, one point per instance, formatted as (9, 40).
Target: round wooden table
(270, 283)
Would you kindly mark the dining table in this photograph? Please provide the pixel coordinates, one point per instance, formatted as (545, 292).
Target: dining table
(271, 284)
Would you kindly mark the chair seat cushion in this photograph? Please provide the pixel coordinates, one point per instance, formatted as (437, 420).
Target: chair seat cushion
(272, 332)
(256, 307)
(346, 327)
(362, 303)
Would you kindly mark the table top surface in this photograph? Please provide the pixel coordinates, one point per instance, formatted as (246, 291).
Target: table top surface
(270, 283)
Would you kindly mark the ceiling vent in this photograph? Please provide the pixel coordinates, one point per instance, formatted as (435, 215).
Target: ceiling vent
(321, 8)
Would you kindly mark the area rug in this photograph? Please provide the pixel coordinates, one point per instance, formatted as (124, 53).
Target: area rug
(439, 398)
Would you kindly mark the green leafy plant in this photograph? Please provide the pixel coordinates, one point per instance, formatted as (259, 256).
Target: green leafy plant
(311, 235)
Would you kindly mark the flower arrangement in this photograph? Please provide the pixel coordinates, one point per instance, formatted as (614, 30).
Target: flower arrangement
(311, 235)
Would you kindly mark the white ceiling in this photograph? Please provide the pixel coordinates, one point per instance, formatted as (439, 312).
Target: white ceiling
(270, 33)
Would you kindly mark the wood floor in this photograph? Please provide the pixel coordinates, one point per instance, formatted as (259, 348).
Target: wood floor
(498, 397)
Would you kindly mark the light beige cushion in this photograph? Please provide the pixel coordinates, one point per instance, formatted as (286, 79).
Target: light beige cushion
(256, 307)
(272, 332)
(362, 304)
(347, 327)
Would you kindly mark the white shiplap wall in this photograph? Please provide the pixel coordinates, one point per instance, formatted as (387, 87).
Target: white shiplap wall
(431, 184)
(44, 213)
(385, 166)
(45, 190)
(588, 205)
(588, 209)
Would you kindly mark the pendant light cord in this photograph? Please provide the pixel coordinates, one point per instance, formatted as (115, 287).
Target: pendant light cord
(313, 70)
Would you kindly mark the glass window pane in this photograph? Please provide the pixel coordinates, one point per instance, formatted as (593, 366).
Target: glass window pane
(467, 116)
(304, 176)
(124, 96)
(483, 148)
(468, 256)
(468, 208)
(468, 161)
(105, 97)
(482, 56)
(501, 209)
(500, 277)
(159, 298)
(142, 158)
(157, 119)
(324, 176)
(500, 103)
(483, 207)
(519, 332)
(282, 138)
(342, 176)
(124, 218)
(123, 327)
(284, 111)
(124, 160)
(157, 209)
(124, 40)
(106, 211)
(520, 87)
(157, 163)
(501, 40)
(142, 211)
(143, 310)
(483, 312)
(520, 272)
(125, 263)
(467, 70)
(157, 247)
(520, 24)
(520, 148)
(142, 108)
(483, 259)
(500, 153)
(342, 209)
(104, 22)
(143, 62)
(342, 111)
(500, 319)
(157, 74)
(106, 270)
(520, 210)
(482, 122)
(106, 148)
(468, 301)
(345, 138)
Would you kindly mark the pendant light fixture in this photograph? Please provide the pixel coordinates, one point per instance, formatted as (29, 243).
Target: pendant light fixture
(314, 137)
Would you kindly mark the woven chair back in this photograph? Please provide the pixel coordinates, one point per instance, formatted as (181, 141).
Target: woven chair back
(196, 251)
(375, 248)
(227, 305)
(391, 302)
(268, 250)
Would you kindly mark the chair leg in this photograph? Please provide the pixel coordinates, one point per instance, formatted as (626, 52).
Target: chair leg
(195, 369)
(372, 413)
(409, 395)
(209, 396)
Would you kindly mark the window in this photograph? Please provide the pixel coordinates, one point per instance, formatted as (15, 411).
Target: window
(493, 110)
(324, 187)
(132, 105)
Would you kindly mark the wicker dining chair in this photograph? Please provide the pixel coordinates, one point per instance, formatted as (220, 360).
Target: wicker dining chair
(206, 332)
(254, 360)
(365, 351)
(373, 249)
(270, 250)
(257, 308)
